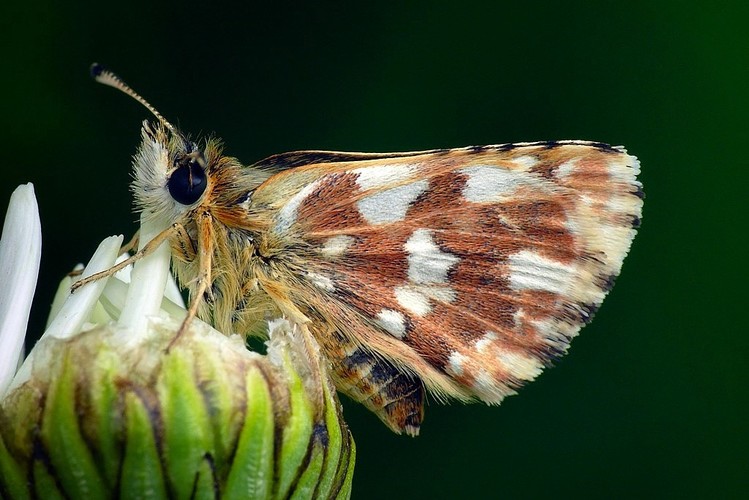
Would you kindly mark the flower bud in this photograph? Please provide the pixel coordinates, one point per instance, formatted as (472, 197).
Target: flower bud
(103, 409)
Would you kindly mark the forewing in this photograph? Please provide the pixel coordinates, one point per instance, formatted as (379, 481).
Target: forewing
(470, 268)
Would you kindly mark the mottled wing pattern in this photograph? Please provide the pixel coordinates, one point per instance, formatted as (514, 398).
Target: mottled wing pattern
(463, 271)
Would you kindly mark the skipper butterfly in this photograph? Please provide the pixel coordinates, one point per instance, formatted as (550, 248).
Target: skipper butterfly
(458, 272)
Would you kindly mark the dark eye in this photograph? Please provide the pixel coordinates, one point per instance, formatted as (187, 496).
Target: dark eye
(187, 182)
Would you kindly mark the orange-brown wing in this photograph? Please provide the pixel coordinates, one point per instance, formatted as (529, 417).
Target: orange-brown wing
(468, 270)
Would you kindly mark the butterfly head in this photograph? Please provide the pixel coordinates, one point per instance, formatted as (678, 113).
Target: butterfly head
(171, 172)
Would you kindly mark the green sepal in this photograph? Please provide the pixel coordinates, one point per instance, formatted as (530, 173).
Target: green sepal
(206, 486)
(105, 422)
(73, 462)
(14, 484)
(251, 474)
(345, 492)
(307, 484)
(188, 436)
(45, 485)
(142, 475)
(219, 385)
(297, 430)
(333, 462)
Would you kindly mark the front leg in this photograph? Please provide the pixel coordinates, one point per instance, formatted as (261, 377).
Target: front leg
(204, 279)
(128, 247)
(147, 249)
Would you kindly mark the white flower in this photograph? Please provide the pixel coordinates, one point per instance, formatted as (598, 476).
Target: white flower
(102, 408)
(96, 303)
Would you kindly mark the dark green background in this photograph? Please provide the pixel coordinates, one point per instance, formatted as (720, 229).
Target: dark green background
(652, 399)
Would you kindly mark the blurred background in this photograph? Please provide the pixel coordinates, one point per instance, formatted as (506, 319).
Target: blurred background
(652, 400)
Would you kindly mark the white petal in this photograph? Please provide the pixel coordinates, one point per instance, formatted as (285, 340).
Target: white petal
(20, 252)
(61, 295)
(173, 293)
(115, 294)
(77, 307)
(148, 281)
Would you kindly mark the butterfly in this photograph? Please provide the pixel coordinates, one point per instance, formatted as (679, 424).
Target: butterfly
(459, 273)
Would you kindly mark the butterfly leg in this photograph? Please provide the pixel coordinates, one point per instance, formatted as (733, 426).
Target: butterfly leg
(126, 248)
(147, 249)
(203, 281)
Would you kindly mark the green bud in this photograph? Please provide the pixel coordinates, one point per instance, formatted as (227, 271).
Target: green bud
(203, 419)
(103, 408)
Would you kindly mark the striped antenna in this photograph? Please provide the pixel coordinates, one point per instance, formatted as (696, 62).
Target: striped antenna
(103, 75)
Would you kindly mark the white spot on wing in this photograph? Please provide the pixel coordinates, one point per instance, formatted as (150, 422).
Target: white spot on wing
(393, 322)
(288, 213)
(484, 342)
(565, 169)
(489, 389)
(487, 183)
(392, 204)
(531, 271)
(383, 175)
(441, 293)
(336, 245)
(526, 162)
(413, 301)
(426, 262)
(455, 363)
(518, 317)
(572, 226)
(519, 365)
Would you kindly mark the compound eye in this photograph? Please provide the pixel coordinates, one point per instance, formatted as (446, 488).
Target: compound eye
(187, 182)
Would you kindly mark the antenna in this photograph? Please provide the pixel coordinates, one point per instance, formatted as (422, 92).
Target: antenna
(103, 75)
